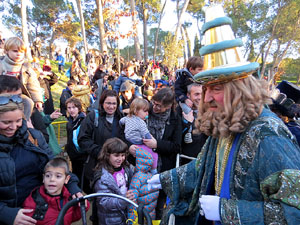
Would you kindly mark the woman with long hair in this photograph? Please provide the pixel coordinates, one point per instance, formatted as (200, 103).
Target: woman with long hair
(98, 126)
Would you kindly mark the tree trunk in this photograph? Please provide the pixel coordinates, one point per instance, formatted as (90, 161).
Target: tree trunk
(265, 57)
(136, 37)
(82, 27)
(199, 30)
(184, 46)
(118, 55)
(51, 44)
(271, 39)
(103, 46)
(188, 42)
(24, 28)
(279, 56)
(261, 51)
(145, 17)
(186, 2)
(157, 30)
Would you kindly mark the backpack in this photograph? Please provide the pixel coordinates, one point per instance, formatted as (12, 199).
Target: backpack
(76, 133)
(75, 140)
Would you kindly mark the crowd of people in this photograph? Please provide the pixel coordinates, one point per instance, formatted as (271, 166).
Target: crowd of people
(95, 103)
(127, 124)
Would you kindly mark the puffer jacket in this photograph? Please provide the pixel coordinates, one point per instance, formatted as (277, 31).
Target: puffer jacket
(139, 184)
(21, 168)
(48, 215)
(22, 161)
(110, 210)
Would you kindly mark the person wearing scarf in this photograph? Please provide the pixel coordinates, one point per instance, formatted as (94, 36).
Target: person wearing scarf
(164, 125)
(13, 64)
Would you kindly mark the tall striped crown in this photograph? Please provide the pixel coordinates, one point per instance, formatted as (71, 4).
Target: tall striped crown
(223, 60)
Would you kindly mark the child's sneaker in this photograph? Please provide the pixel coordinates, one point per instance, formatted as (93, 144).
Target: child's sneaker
(188, 138)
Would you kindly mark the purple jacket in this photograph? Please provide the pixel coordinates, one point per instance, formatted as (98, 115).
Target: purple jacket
(110, 211)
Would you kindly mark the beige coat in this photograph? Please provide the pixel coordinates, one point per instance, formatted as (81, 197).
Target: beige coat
(28, 77)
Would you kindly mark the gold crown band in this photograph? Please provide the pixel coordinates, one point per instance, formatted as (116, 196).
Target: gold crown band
(221, 79)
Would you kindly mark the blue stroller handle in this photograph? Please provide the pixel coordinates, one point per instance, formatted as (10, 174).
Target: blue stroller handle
(81, 200)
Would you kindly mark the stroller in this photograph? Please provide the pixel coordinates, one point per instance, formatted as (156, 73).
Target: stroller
(142, 213)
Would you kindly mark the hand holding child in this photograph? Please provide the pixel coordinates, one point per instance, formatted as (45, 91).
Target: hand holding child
(188, 102)
(130, 195)
(189, 117)
(151, 143)
(126, 111)
(132, 150)
(21, 218)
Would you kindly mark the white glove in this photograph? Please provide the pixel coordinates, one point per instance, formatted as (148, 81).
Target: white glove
(210, 204)
(154, 182)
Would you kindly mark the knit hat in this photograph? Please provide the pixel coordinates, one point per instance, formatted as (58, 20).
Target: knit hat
(127, 86)
(223, 60)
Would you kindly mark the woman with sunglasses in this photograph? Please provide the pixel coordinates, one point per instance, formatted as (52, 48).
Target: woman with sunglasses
(165, 127)
(23, 155)
(97, 127)
(21, 160)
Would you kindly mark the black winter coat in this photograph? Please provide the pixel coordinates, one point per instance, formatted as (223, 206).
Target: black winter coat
(169, 146)
(91, 139)
(21, 168)
(65, 95)
(70, 147)
(38, 123)
(99, 74)
(46, 83)
(183, 79)
(199, 139)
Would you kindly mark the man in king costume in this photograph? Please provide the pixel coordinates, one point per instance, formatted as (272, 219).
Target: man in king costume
(248, 170)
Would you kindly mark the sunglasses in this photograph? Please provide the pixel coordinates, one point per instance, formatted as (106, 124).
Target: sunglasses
(4, 100)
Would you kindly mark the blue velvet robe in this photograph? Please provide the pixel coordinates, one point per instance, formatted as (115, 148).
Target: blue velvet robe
(266, 151)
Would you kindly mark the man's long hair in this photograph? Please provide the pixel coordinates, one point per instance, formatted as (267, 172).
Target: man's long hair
(243, 102)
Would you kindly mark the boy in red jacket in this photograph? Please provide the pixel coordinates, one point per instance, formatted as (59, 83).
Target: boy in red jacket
(48, 200)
